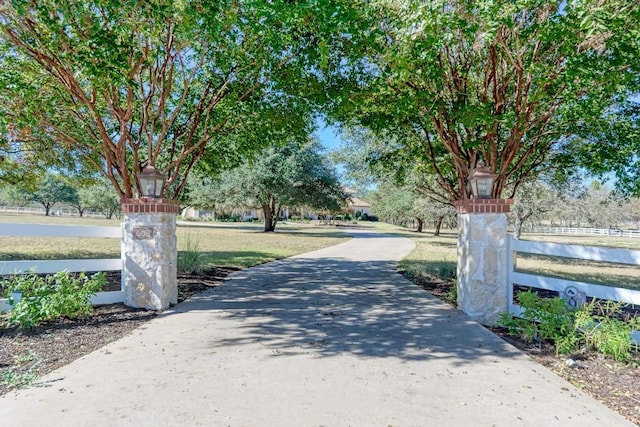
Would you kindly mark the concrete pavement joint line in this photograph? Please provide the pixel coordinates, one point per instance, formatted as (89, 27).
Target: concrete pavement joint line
(280, 349)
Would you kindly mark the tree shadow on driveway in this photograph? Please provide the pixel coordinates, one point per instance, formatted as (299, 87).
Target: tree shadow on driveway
(335, 306)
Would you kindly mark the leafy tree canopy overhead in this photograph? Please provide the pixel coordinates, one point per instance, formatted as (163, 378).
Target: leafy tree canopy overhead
(125, 84)
(460, 81)
(609, 146)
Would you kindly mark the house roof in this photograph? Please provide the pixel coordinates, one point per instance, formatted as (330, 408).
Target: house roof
(353, 200)
(361, 203)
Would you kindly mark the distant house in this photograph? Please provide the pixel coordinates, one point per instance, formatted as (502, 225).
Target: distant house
(355, 205)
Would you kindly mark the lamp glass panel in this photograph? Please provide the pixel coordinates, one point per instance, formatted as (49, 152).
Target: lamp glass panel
(158, 186)
(484, 186)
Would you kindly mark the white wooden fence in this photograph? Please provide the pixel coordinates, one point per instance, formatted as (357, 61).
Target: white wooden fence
(71, 265)
(56, 211)
(588, 231)
(619, 256)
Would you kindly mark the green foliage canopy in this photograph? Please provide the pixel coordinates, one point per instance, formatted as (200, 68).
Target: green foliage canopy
(289, 176)
(504, 82)
(125, 84)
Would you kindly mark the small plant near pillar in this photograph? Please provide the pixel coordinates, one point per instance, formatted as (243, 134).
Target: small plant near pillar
(599, 325)
(543, 319)
(190, 259)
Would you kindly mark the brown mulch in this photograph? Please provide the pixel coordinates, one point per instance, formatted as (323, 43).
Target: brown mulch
(615, 384)
(28, 354)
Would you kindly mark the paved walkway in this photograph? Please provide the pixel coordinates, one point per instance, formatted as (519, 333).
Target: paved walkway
(329, 338)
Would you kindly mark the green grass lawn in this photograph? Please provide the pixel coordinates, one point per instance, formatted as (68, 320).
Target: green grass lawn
(229, 244)
(245, 244)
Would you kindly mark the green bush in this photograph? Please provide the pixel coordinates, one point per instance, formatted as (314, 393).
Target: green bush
(605, 330)
(543, 319)
(51, 297)
(597, 326)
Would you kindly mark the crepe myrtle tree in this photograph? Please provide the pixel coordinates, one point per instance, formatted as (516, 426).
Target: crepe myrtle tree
(166, 83)
(503, 82)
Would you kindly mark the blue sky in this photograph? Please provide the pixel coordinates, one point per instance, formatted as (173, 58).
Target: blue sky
(327, 136)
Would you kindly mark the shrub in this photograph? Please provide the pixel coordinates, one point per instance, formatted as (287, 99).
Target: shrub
(51, 297)
(543, 319)
(605, 330)
(597, 326)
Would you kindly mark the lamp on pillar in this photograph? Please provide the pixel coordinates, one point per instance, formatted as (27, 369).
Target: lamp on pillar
(151, 182)
(481, 180)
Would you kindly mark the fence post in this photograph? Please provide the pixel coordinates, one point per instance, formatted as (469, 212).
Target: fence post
(511, 266)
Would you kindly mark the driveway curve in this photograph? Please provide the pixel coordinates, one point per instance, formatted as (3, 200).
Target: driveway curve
(333, 337)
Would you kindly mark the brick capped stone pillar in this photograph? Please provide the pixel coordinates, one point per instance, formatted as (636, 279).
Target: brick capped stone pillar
(149, 252)
(482, 258)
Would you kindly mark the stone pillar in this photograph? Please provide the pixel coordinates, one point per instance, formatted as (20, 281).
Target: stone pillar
(482, 258)
(149, 252)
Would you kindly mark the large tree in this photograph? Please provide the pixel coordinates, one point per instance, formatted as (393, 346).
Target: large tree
(161, 82)
(461, 81)
(609, 146)
(290, 176)
(99, 196)
(47, 191)
(534, 200)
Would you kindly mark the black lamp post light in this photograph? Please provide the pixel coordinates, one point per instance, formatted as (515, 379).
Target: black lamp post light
(481, 180)
(151, 182)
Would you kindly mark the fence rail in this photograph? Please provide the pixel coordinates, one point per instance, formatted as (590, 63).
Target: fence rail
(71, 265)
(587, 231)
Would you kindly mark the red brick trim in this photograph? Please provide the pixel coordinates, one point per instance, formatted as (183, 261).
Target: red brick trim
(150, 205)
(483, 206)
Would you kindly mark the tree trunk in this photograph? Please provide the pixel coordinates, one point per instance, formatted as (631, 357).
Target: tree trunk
(268, 215)
(271, 213)
(420, 222)
(47, 208)
(438, 225)
(520, 219)
(518, 228)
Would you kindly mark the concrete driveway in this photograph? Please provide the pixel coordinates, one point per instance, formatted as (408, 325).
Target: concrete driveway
(330, 338)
